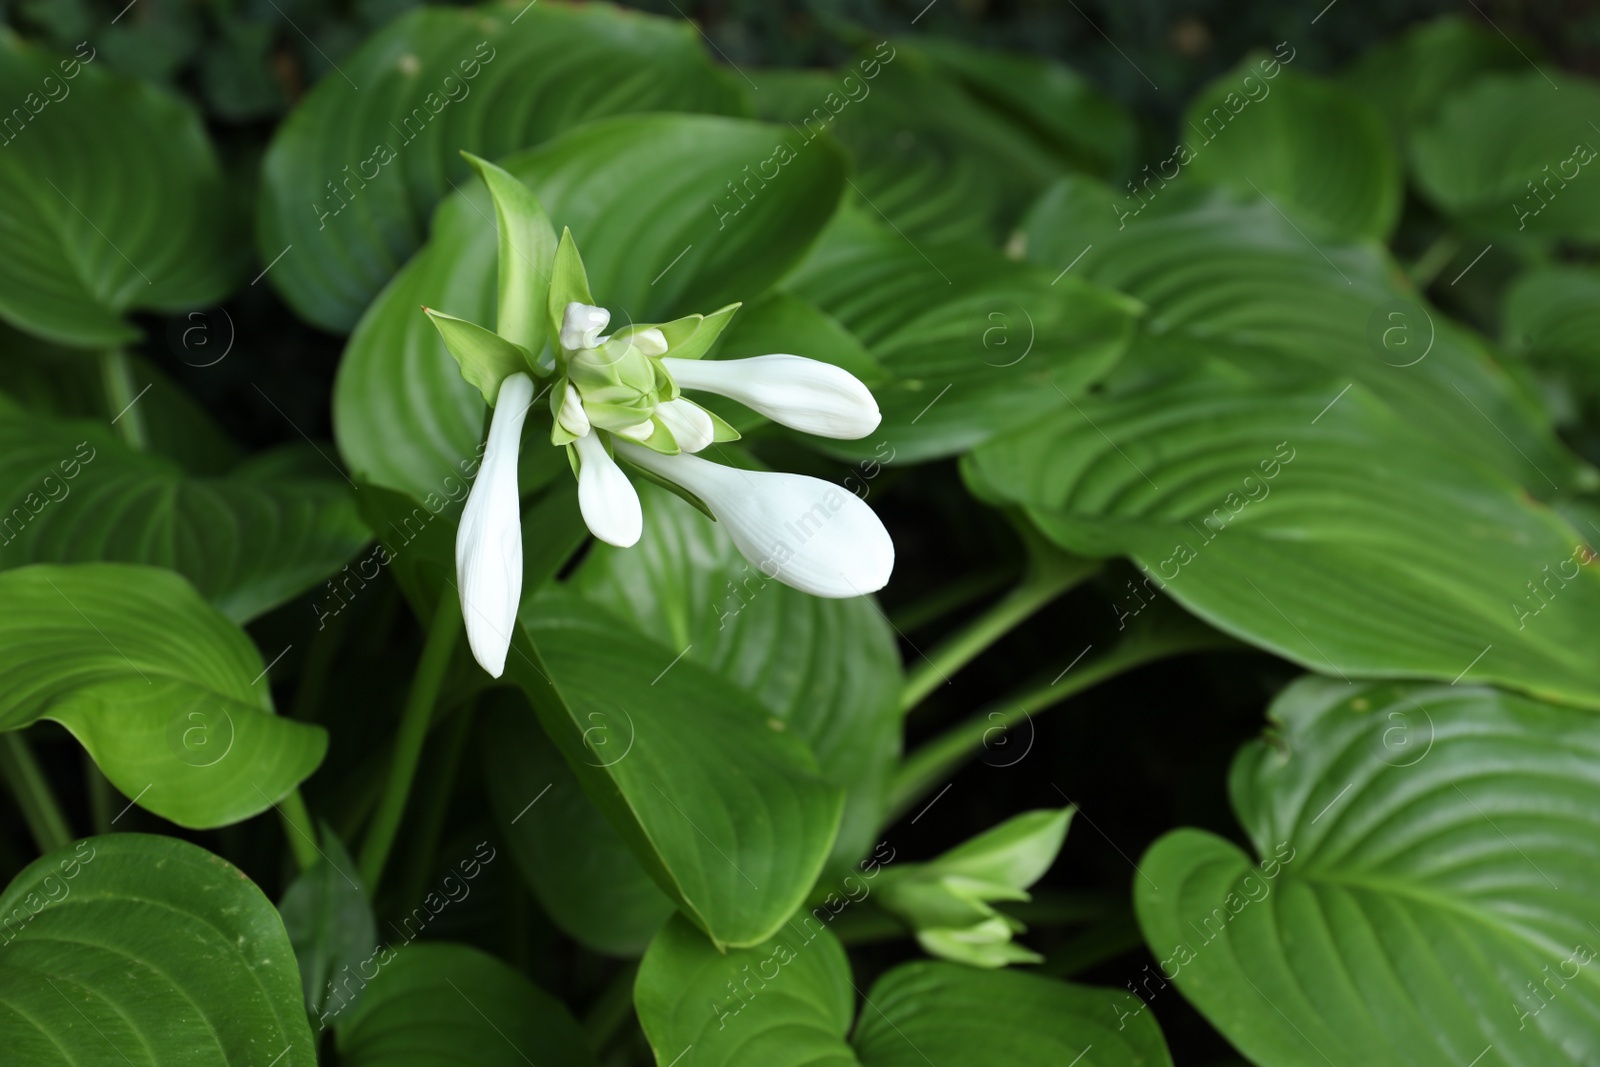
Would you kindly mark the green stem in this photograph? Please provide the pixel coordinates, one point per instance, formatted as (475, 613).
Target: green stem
(302, 832)
(99, 795)
(936, 760)
(950, 596)
(1039, 588)
(1433, 260)
(436, 792)
(116, 378)
(32, 791)
(414, 722)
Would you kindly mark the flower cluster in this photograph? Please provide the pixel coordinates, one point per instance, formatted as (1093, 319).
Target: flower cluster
(617, 400)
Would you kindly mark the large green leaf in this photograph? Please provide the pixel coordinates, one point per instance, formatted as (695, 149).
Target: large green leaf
(354, 172)
(970, 1018)
(828, 669)
(1425, 887)
(789, 1002)
(164, 692)
(46, 379)
(147, 951)
(1301, 514)
(72, 492)
(976, 343)
(435, 1004)
(580, 869)
(929, 157)
(1209, 265)
(721, 803)
(1409, 76)
(1515, 155)
(1552, 318)
(81, 248)
(653, 248)
(1053, 103)
(1317, 152)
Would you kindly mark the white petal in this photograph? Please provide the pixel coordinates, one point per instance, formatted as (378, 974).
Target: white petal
(573, 418)
(639, 431)
(805, 394)
(489, 539)
(581, 325)
(690, 425)
(803, 531)
(651, 342)
(607, 499)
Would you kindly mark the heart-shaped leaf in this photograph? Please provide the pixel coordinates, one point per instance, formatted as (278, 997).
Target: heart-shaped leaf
(1211, 266)
(1515, 154)
(161, 690)
(721, 803)
(654, 249)
(147, 951)
(580, 869)
(976, 343)
(1304, 516)
(353, 173)
(81, 250)
(1425, 886)
(828, 669)
(72, 492)
(430, 1004)
(1409, 76)
(1312, 148)
(1552, 318)
(789, 1002)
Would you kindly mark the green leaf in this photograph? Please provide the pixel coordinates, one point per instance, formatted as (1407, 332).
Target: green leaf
(578, 867)
(721, 803)
(789, 1003)
(938, 165)
(1310, 147)
(527, 250)
(157, 686)
(1425, 878)
(1514, 155)
(784, 1003)
(66, 383)
(351, 176)
(1233, 272)
(967, 1018)
(1409, 76)
(693, 335)
(486, 358)
(83, 251)
(147, 951)
(828, 670)
(329, 922)
(73, 492)
(976, 344)
(569, 282)
(1552, 318)
(403, 416)
(431, 1004)
(1301, 514)
(1050, 102)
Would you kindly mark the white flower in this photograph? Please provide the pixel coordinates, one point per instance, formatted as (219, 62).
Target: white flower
(609, 504)
(489, 541)
(803, 531)
(804, 394)
(691, 427)
(620, 394)
(581, 326)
